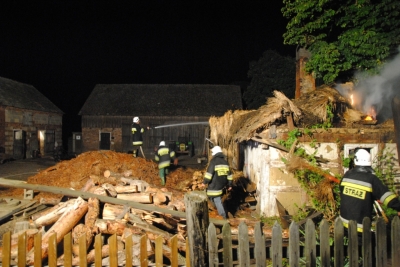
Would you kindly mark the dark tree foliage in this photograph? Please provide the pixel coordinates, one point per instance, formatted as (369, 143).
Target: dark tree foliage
(271, 72)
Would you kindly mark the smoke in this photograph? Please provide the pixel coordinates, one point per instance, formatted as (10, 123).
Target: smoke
(375, 93)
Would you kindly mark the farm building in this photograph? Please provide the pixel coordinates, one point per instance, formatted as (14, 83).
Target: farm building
(29, 122)
(108, 112)
(251, 141)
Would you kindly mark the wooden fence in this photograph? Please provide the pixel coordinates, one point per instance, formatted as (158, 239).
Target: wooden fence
(304, 247)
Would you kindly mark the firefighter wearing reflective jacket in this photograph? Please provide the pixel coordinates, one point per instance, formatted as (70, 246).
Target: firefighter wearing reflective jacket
(137, 138)
(218, 176)
(359, 188)
(164, 156)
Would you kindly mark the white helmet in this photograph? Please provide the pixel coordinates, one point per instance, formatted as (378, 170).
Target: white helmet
(136, 119)
(215, 150)
(162, 143)
(362, 158)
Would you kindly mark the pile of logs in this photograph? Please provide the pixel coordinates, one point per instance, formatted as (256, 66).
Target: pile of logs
(198, 177)
(92, 217)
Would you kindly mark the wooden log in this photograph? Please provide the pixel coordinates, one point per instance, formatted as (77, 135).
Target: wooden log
(99, 191)
(93, 214)
(89, 184)
(112, 212)
(145, 198)
(110, 189)
(141, 185)
(51, 215)
(111, 226)
(108, 174)
(63, 225)
(126, 189)
(77, 232)
(127, 173)
(197, 222)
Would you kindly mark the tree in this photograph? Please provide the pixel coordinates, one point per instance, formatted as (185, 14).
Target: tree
(271, 72)
(343, 35)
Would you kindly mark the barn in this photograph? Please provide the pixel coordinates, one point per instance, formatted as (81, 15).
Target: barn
(175, 113)
(29, 122)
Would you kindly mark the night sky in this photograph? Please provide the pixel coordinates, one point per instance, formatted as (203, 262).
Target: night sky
(65, 48)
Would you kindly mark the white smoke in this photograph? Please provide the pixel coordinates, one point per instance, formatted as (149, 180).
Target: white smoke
(376, 92)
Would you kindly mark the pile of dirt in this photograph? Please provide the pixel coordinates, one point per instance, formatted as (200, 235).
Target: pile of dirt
(75, 172)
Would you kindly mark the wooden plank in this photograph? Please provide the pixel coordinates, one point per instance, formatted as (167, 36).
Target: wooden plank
(338, 243)
(395, 236)
(22, 250)
(159, 251)
(82, 251)
(174, 251)
(38, 250)
(112, 241)
(244, 250)
(353, 244)
(187, 253)
(310, 244)
(366, 250)
(6, 260)
(197, 222)
(97, 247)
(259, 248)
(294, 245)
(52, 257)
(325, 251)
(67, 241)
(227, 245)
(381, 247)
(276, 246)
(143, 251)
(128, 251)
(212, 246)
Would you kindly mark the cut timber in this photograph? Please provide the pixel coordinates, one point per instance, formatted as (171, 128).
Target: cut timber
(93, 214)
(64, 224)
(111, 226)
(104, 199)
(51, 215)
(110, 189)
(145, 198)
(111, 212)
(141, 185)
(126, 189)
(108, 174)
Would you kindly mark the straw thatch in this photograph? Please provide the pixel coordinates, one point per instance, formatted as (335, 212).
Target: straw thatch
(313, 104)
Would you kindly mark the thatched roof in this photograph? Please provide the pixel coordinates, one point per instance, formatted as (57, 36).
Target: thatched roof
(24, 96)
(162, 100)
(313, 105)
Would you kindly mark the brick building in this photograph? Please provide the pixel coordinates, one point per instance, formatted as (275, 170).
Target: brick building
(29, 122)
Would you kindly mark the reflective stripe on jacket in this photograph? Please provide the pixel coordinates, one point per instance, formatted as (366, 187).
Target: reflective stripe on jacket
(218, 175)
(164, 156)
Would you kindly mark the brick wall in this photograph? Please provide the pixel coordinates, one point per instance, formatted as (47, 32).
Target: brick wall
(91, 138)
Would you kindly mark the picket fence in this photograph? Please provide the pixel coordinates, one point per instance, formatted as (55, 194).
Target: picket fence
(304, 247)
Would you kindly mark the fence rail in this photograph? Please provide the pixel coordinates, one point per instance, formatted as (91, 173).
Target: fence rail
(317, 247)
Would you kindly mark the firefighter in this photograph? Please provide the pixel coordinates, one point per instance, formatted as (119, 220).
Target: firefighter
(137, 137)
(217, 177)
(359, 188)
(164, 156)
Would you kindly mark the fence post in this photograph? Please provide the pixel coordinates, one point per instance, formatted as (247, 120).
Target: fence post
(395, 236)
(353, 244)
(338, 243)
(294, 245)
(197, 222)
(227, 245)
(276, 246)
(381, 247)
(259, 248)
(325, 251)
(212, 246)
(366, 243)
(243, 250)
(310, 244)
